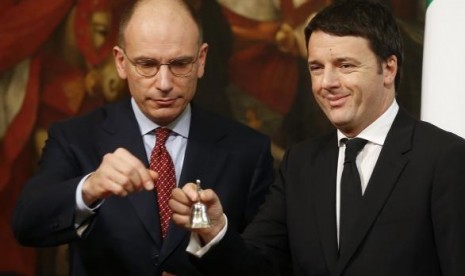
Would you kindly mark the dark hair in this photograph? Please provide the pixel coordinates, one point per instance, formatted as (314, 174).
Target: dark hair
(362, 18)
(132, 6)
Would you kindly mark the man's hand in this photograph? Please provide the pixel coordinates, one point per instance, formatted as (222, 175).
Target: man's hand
(120, 173)
(181, 203)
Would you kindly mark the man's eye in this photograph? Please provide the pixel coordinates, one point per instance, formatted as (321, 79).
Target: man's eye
(147, 64)
(347, 66)
(180, 63)
(314, 69)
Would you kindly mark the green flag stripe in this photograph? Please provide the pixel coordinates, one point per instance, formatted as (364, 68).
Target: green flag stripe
(428, 2)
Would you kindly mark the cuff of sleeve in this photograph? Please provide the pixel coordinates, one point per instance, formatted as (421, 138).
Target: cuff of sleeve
(195, 245)
(81, 206)
(83, 212)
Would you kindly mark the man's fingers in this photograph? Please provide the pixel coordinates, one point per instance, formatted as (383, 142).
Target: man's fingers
(110, 178)
(132, 167)
(180, 196)
(150, 183)
(180, 207)
(181, 220)
(118, 190)
(190, 190)
(208, 197)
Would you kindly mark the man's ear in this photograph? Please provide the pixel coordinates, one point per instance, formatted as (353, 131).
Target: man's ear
(390, 70)
(202, 60)
(119, 62)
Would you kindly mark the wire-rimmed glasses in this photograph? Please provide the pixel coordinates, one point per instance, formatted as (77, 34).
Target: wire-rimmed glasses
(147, 67)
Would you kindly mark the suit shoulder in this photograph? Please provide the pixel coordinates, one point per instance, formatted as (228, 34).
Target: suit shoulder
(434, 142)
(88, 121)
(312, 147)
(435, 135)
(220, 124)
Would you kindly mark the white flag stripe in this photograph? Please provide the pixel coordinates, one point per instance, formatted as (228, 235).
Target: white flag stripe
(443, 80)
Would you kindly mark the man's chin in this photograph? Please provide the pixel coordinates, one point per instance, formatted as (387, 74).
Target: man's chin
(164, 116)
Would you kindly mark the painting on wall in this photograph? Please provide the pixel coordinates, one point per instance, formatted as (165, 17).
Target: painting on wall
(56, 62)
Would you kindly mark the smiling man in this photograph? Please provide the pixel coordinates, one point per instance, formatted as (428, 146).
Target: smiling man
(105, 178)
(383, 194)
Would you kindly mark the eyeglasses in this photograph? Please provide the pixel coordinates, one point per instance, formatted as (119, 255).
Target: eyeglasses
(148, 68)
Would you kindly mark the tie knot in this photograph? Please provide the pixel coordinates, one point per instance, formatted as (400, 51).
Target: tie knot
(161, 134)
(353, 147)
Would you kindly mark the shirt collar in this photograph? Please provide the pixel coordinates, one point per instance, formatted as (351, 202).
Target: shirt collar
(377, 131)
(179, 126)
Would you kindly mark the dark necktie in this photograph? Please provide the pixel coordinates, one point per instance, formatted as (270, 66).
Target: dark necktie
(351, 190)
(160, 161)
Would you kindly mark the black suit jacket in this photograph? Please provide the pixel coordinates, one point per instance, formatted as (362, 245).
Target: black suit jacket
(124, 238)
(412, 223)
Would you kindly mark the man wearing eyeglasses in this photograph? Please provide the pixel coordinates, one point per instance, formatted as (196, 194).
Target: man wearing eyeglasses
(96, 189)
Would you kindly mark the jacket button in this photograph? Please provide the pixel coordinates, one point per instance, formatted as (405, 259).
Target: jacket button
(55, 226)
(155, 259)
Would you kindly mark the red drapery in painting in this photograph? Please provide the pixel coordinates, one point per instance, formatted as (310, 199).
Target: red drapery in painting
(26, 25)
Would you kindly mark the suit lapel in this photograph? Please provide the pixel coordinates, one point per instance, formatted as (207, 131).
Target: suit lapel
(390, 164)
(325, 199)
(120, 129)
(203, 160)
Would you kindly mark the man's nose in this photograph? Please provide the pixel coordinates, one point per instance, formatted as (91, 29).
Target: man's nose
(330, 78)
(164, 77)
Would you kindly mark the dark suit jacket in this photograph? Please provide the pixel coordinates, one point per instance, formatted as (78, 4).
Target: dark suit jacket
(124, 236)
(412, 223)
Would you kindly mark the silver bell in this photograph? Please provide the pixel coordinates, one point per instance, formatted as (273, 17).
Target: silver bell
(199, 217)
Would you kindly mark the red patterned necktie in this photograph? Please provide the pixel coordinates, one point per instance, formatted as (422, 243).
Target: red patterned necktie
(160, 161)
